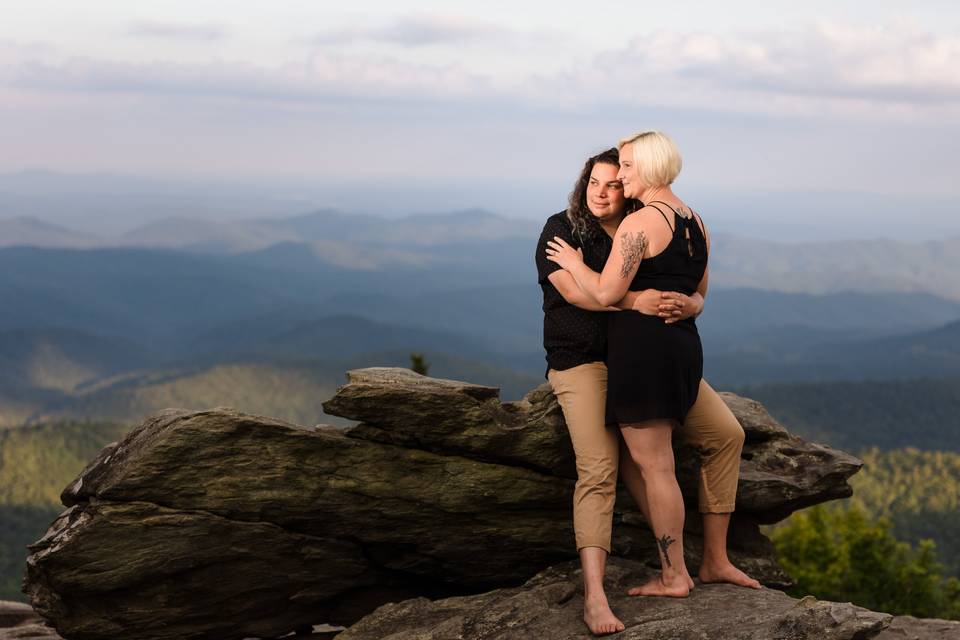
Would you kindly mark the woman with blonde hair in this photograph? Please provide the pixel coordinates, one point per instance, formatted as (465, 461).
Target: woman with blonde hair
(574, 335)
(654, 367)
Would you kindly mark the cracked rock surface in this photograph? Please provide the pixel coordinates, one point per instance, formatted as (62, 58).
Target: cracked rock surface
(910, 628)
(19, 620)
(219, 524)
(550, 605)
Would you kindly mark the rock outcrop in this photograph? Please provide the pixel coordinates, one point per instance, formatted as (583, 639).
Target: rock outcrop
(550, 605)
(910, 628)
(218, 524)
(19, 620)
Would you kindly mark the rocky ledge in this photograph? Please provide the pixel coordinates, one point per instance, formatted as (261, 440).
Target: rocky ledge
(550, 605)
(19, 620)
(218, 524)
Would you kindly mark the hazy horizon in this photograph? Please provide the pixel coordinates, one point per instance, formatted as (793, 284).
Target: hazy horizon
(460, 100)
(796, 123)
(109, 205)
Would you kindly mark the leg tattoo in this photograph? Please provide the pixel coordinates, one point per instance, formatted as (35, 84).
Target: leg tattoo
(665, 541)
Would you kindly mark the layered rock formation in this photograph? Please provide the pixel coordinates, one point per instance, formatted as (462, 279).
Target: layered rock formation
(218, 524)
(18, 620)
(550, 605)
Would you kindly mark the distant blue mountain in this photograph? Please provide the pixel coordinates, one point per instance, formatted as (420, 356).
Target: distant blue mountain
(855, 357)
(175, 307)
(922, 413)
(458, 243)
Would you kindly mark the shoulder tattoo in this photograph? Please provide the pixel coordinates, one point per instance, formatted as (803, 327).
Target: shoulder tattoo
(632, 247)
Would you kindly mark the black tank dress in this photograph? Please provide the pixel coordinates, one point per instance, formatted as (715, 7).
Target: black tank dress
(654, 368)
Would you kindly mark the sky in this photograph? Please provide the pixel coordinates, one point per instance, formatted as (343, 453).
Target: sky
(494, 99)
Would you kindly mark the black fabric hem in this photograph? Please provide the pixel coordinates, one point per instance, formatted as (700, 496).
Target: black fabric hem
(569, 364)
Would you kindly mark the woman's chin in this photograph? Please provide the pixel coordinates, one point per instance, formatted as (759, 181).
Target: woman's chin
(607, 215)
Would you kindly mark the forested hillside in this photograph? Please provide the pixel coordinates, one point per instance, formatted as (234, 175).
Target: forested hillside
(36, 463)
(919, 491)
(855, 415)
(893, 546)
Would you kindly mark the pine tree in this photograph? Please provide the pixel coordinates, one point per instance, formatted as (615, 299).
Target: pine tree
(419, 364)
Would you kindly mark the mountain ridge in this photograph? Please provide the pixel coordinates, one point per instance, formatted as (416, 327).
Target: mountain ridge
(502, 246)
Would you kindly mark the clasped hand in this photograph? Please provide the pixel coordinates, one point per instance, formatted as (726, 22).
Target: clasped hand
(669, 305)
(562, 253)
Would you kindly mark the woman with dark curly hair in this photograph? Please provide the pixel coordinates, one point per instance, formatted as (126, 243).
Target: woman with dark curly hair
(575, 341)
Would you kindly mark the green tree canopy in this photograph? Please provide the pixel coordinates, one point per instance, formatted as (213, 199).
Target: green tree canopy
(843, 555)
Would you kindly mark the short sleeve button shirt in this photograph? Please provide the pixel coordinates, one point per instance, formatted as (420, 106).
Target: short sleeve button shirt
(571, 336)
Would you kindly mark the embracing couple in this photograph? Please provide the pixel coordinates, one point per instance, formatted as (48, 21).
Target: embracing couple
(624, 273)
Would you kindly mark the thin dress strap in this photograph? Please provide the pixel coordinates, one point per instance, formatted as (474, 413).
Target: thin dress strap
(699, 221)
(654, 205)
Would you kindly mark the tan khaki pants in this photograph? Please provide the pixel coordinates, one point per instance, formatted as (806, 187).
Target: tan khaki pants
(714, 431)
(710, 427)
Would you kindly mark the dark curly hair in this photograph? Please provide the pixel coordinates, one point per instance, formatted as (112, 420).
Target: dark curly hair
(584, 224)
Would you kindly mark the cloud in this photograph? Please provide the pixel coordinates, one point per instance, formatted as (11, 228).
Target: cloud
(324, 77)
(178, 31)
(894, 64)
(419, 31)
(892, 72)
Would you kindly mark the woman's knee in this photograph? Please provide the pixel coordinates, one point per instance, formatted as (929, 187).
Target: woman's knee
(657, 470)
(651, 448)
(651, 463)
(733, 435)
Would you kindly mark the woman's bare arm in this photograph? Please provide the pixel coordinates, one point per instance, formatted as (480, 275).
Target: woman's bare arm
(629, 246)
(572, 293)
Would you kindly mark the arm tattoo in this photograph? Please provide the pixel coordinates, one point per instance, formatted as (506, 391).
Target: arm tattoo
(632, 248)
(664, 542)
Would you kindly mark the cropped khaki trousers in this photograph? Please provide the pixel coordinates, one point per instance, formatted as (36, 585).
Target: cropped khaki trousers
(710, 427)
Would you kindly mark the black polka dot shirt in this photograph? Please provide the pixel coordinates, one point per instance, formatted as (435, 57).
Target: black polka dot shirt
(571, 336)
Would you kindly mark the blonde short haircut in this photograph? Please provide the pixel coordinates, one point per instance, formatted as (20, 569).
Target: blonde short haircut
(656, 156)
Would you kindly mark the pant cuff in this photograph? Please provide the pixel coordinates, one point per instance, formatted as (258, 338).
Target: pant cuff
(729, 507)
(601, 545)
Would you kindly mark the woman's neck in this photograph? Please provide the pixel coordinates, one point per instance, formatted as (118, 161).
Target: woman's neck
(610, 225)
(660, 194)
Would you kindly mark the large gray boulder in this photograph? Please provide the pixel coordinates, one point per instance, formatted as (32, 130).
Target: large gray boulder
(19, 620)
(910, 628)
(218, 524)
(779, 473)
(550, 605)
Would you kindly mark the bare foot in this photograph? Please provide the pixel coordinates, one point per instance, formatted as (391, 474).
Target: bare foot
(676, 587)
(726, 573)
(599, 618)
(690, 583)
